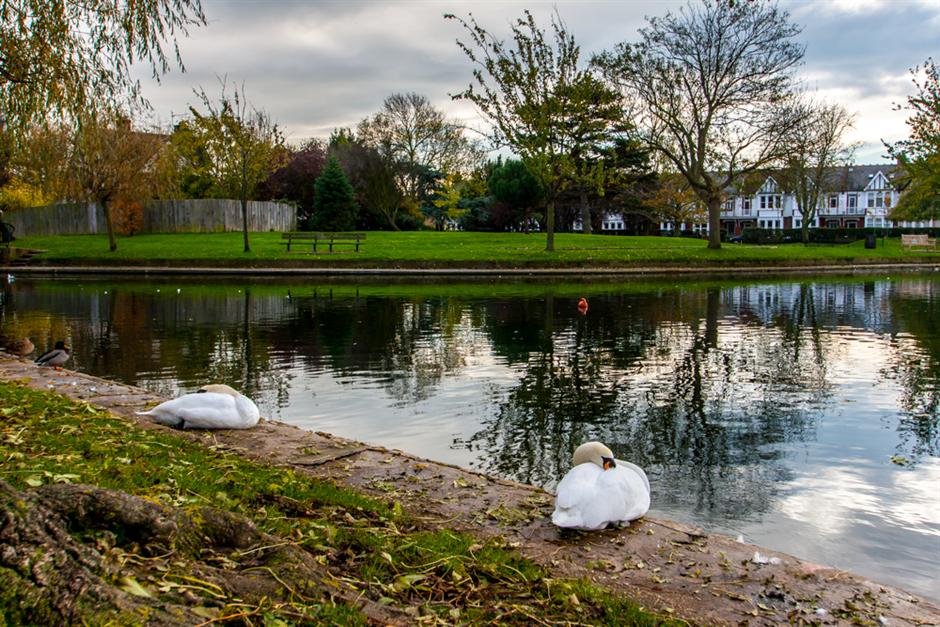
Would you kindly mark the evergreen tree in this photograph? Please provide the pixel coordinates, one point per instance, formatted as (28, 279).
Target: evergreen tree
(333, 200)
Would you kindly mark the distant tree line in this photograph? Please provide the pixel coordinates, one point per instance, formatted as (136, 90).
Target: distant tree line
(661, 128)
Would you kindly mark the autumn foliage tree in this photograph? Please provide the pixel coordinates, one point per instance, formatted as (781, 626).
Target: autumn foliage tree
(535, 93)
(67, 59)
(111, 164)
(242, 145)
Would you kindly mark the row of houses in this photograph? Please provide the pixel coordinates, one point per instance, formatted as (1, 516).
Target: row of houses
(861, 197)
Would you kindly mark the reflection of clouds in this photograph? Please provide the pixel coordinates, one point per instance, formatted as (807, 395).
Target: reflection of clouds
(920, 509)
(830, 499)
(833, 499)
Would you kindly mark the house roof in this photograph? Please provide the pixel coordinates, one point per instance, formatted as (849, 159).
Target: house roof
(842, 179)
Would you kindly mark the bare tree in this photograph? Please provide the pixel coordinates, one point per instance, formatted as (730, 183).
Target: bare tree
(710, 87)
(531, 90)
(815, 148)
(410, 131)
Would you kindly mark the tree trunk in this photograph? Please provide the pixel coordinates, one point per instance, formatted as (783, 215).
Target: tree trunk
(550, 225)
(109, 222)
(245, 223)
(585, 213)
(57, 568)
(714, 222)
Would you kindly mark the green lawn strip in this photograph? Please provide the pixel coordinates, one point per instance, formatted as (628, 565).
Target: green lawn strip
(174, 288)
(453, 249)
(365, 543)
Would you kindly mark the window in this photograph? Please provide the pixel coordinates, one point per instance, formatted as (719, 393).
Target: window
(770, 201)
(876, 200)
(833, 201)
(851, 202)
(729, 204)
(746, 206)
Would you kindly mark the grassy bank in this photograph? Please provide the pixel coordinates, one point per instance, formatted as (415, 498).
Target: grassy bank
(455, 249)
(369, 548)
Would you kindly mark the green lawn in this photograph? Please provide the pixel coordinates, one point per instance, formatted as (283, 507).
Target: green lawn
(454, 249)
(369, 544)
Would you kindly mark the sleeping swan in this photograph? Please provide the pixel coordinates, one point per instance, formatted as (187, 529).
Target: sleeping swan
(599, 490)
(214, 406)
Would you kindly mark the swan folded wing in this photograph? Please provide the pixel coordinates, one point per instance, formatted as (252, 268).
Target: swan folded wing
(628, 495)
(206, 410)
(580, 502)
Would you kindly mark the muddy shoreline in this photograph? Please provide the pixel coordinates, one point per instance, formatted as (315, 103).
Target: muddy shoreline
(678, 570)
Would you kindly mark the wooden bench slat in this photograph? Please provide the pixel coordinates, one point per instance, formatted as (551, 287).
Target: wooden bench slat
(330, 238)
(911, 240)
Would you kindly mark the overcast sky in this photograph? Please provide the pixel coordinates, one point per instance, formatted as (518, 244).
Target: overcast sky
(318, 65)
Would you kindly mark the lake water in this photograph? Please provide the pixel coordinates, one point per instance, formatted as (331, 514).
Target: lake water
(801, 414)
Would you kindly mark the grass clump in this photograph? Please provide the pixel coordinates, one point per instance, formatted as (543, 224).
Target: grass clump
(362, 548)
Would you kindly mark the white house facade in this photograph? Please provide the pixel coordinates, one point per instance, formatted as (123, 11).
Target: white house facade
(861, 196)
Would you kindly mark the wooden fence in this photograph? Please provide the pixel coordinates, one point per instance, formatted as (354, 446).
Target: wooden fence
(160, 216)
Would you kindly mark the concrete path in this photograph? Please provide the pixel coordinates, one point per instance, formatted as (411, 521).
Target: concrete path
(680, 571)
(337, 271)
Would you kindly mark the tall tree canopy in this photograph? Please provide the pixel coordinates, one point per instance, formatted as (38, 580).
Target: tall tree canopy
(536, 95)
(374, 177)
(919, 155)
(294, 182)
(709, 87)
(65, 57)
(417, 137)
(243, 146)
(334, 203)
(512, 185)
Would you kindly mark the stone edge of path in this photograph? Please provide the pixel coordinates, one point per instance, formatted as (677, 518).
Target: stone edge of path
(673, 568)
(865, 268)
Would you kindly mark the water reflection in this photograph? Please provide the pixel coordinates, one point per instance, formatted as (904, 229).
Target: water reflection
(771, 409)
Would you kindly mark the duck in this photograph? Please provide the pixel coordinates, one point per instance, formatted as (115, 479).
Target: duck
(55, 357)
(213, 406)
(599, 491)
(21, 347)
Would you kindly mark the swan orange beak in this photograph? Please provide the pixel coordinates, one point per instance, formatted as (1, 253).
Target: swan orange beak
(609, 463)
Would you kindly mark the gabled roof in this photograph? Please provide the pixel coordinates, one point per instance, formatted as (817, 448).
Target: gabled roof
(852, 178)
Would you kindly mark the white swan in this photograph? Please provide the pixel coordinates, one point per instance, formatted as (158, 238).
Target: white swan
(214, 406)
(599, 490)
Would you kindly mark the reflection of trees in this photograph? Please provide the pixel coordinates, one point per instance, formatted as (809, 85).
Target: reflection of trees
(408, 345)
(702, 410)
(915, 365)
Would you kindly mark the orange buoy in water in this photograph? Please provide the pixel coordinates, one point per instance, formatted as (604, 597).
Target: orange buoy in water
(582, 306)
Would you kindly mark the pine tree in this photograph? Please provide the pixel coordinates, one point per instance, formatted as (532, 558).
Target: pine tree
(334, 205)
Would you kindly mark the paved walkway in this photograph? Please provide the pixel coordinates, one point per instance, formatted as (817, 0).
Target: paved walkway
(679, 570)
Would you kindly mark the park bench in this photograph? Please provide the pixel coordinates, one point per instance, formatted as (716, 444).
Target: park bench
(915, 240)
(323, 239)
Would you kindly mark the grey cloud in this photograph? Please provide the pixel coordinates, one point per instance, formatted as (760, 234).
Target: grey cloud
(318, 65)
